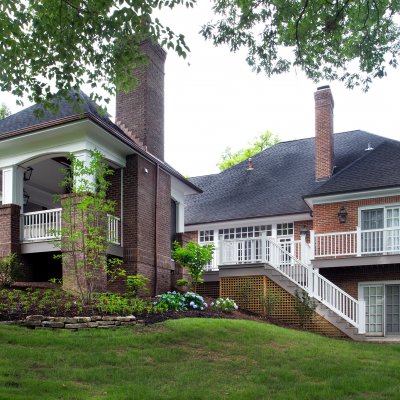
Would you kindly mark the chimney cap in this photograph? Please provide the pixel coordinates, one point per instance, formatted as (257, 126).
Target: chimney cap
(323, 87)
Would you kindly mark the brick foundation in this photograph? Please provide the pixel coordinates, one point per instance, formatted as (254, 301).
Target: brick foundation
(10, 229)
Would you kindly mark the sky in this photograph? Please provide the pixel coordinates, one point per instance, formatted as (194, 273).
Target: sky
(214, 100)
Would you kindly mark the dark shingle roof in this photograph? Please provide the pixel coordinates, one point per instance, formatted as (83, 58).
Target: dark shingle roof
(27, 117)
(282, 175)
(378, 168)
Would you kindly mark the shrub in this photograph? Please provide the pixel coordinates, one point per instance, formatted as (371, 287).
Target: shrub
(175, 301)
(269, 301)
(304, 306)
(113, 303)
(226, 305)
(10, 270)
(136, 282)
(182, 283)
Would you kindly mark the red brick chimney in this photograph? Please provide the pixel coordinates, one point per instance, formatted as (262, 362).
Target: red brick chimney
(324, 152)
(141, 111)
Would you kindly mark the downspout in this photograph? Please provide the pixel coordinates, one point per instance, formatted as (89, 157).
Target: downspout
(156, 230)
(122, 207)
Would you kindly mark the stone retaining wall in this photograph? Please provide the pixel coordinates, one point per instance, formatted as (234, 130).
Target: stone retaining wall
(77, 323)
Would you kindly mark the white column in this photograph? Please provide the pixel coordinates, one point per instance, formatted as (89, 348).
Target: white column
(180, 217)
(361, 316)
(359, 241)
(84, 180)
(13, 185)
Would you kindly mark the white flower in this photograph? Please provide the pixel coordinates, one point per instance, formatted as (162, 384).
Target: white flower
(236, 307)
(194, 305)
(201, 308)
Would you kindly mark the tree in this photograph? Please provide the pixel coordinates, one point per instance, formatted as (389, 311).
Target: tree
(194, 257)
(350, 41)
(49, 47)
(228, 159)
(84, 227)
(4, 111)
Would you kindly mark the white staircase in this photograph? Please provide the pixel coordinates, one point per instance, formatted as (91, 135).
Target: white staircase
(289, 267)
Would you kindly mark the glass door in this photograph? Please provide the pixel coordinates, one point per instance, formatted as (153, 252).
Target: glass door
(392, 309)
(373, 296)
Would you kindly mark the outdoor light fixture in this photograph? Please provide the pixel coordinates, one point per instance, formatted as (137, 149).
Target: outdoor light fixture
(26, 197)
(342, 215)
(28, 174)
(145, 170)
(303, 230)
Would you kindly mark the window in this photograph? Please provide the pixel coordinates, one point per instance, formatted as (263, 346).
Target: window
(372, 219)
(245, 232)
(206, 236)
(285, 229)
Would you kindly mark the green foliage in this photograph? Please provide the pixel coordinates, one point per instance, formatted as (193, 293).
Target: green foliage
(117, 304)
(351, 41)
(194, 257)
(84, 228)
(182, 282)
(10, 270)
(4, 111)
(51, 46)
(136, 282)
(304, 306)
(225, 305)
(269, 301)
(229, 158)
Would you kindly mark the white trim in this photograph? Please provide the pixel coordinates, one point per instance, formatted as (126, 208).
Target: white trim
(337, 198)
(249, 222)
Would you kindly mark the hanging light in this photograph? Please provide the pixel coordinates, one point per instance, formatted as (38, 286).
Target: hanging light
(28, 174)
(342, 215)
(303, 230)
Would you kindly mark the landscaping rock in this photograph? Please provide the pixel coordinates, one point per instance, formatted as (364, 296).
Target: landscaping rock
(109, 318)
(106, 323)
(82, 319)
(35, 318)
(129, 323)
(95, 318)
(76, 326)
(93, 324)
(126, 319)
(53, 324)
(33, 323)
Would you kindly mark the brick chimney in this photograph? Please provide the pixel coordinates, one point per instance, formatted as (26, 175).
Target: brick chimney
(324, 152)
(141, 111)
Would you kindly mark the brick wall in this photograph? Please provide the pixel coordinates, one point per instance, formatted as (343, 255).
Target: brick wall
(326, 215)
(142, 110)
(348, 278)
(298, 225)
(140, 227)
(324, 156)
(10, 229)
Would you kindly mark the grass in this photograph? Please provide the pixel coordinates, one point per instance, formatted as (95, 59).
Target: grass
(193, 359)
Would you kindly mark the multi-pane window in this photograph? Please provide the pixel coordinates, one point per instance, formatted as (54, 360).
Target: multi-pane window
(245, 232)
(372, 219)
(285, 229)
(206, 236)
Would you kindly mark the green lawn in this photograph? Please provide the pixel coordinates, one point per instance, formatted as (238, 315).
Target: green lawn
(193, 359)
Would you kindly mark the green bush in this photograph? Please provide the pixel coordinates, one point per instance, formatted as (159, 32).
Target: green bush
(304, 306)
(10, 270)
(136, 282)
(226, 305)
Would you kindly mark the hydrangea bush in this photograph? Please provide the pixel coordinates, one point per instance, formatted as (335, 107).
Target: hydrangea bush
(226, 305)
(175, 301)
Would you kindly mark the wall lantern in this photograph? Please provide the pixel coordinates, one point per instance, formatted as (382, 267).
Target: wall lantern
(303, 231)
(342, 215)
(28, 174)
(249, 165)
(26, 197)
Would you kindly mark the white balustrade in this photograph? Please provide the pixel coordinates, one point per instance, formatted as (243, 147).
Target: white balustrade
(41, 225)
(113, 229)
(46, 225)
(357, 243)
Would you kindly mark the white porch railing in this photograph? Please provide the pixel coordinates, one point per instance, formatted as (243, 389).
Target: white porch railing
(41, 225)
(282, 257)
(356, 243)
(113, 229)
(44, 225)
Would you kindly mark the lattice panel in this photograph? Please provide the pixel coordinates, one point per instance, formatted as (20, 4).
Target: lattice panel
(285, 311)
(245, 290)
(209, 289)
(248, 292)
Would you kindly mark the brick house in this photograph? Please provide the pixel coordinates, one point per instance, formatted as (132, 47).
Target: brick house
(149, 193)
(319, 214)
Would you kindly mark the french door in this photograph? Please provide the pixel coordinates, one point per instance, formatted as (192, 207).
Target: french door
(392, 306)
